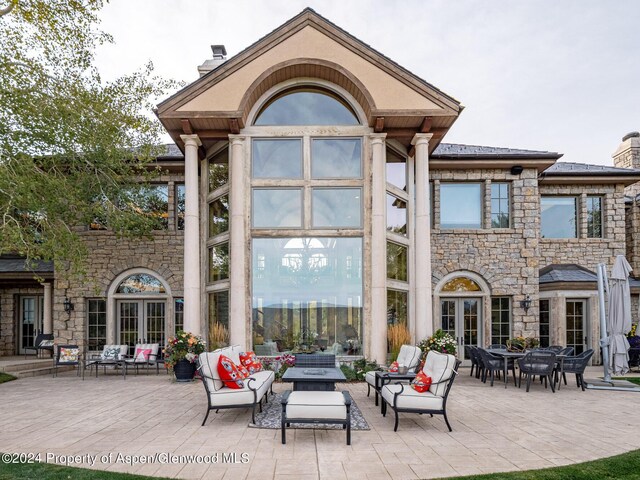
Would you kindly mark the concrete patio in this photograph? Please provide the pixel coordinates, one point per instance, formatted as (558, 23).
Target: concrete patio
(494, 429)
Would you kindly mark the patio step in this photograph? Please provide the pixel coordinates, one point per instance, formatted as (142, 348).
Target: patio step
(16, 366)
(34, 372)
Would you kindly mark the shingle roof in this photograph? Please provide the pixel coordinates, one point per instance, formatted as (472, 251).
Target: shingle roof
(15, 264)
(455, 150)
(566, 273)
(570, 168)
(171, 150)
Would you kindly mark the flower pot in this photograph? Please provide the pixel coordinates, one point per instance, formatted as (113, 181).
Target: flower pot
(184, 370)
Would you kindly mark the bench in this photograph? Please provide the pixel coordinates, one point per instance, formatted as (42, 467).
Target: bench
(316, 408)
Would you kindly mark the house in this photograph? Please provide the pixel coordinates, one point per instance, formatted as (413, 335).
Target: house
(311, 198)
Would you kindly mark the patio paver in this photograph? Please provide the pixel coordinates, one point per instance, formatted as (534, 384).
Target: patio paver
(494, 430)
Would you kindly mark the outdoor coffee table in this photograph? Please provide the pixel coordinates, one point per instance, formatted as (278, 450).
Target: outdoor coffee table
(381, 376)
(99, 362)
(313, 379)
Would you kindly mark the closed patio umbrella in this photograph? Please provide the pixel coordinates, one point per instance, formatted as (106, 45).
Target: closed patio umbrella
(619, 316)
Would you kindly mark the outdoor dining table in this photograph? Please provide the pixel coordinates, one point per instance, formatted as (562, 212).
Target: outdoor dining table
(506, 355)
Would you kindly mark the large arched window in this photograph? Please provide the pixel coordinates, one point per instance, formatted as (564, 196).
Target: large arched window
(306, 106)
(141, 283)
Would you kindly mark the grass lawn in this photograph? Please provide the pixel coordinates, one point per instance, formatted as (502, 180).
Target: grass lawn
(625, 466)
(5, 377)
(635, 380)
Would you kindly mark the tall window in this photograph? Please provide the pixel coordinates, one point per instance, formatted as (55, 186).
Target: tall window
(460, 205)
(180, 191)
(559, 217)
(500, 205)
(396, 215)
(594, 217)
(218, 216)
(218, 319)
(396, 307)
(500, 320)
(397, 261)
(544, 323)
(96, 324)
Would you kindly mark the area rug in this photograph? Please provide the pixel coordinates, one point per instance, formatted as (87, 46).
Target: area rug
(271, 416)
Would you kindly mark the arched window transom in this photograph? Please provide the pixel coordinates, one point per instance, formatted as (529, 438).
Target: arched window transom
(141, 283)
(461, 284)
(306, 106)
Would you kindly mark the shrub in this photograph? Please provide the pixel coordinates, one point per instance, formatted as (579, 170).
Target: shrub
(440, 342)
(349, 373)
(362, 366)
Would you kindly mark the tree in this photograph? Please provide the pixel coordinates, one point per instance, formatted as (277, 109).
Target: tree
(72, 147)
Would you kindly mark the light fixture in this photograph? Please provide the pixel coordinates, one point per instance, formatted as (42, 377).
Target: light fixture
(526, 304)
(516, 170)
(68, 306)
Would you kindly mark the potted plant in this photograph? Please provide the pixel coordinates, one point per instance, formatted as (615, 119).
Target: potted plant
(181, 354)
(440, 342)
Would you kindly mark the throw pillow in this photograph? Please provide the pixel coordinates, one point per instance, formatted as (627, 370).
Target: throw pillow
(142, 354)
(393, 368)
(243, 371)
(111, 353)
(229, 373)
(251, 362)
(68, 355)
(46, 343)
(421, 383)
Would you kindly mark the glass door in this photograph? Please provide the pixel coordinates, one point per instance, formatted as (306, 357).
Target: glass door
(31, 320)
(577, 325)
(141, 321)
(461, 318)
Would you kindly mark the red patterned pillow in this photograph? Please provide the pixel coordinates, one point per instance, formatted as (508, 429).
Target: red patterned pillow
(243, 371)
(229, 373)
(393, 368)
(251, 362)
(421, 383)
(142, 354)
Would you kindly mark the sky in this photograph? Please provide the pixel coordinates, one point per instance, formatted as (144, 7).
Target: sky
(551, 75)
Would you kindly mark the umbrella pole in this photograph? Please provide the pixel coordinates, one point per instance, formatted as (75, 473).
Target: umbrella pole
(604, 341)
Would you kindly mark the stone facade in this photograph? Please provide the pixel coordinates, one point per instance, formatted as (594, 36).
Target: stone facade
(507, 259)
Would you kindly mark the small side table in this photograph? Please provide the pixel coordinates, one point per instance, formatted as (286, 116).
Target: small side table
(382, 376)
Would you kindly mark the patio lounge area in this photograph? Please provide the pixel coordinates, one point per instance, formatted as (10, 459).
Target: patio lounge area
(494, 429)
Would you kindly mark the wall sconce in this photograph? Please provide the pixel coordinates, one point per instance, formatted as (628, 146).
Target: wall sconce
(526, 304)
(68, 306)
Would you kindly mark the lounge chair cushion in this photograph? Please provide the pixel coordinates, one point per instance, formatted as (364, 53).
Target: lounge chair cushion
(411, 399)
(370, 378)
(439, 366)
(243, 396)
(409, 356)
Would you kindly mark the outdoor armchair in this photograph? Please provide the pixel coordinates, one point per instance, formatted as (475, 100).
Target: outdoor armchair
(494, 364)
(537, 362)
(65, 356)
(577, 365)
(409, 356)
(43, 341)
(111, 355)
(402, 398)
(144, 355)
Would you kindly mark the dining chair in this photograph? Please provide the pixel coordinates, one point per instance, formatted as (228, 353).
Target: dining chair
(537, 362)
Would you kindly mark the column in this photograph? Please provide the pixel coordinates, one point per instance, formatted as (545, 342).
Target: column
(378, 251)
(47, 324)
(238, 291)
(423, 300)
(192, 321)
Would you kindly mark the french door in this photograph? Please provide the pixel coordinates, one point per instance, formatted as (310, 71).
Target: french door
(461, 318)
(141, 321)
(31, 320)
(576, 319)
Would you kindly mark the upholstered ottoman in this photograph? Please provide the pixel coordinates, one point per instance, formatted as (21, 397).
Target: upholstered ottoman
(316, 407)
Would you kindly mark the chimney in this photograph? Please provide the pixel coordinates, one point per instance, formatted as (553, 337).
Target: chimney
(628, 153)
(219, 57)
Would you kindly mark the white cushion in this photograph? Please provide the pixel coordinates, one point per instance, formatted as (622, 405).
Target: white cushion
(409, 356)
(409, 398)
(316, 405)
(370, 378)
(243, 396)
(209, 368)
(234, 352)
(439, 366)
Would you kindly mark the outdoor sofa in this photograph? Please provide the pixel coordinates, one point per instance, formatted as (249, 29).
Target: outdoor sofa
(256, 386)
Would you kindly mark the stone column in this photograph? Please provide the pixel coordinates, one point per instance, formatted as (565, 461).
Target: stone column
(192, 321)
(423, 300)
(378, 333)
(47, 323)
(238, 293)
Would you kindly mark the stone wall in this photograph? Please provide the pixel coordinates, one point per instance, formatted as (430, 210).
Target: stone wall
(507, 259)
(109, 256)
(9, 323)
(588, 252)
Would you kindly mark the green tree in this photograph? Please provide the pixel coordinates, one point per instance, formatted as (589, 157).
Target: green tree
(72, 146)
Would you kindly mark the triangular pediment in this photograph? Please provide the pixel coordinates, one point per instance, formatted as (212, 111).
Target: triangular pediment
(305, 38)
